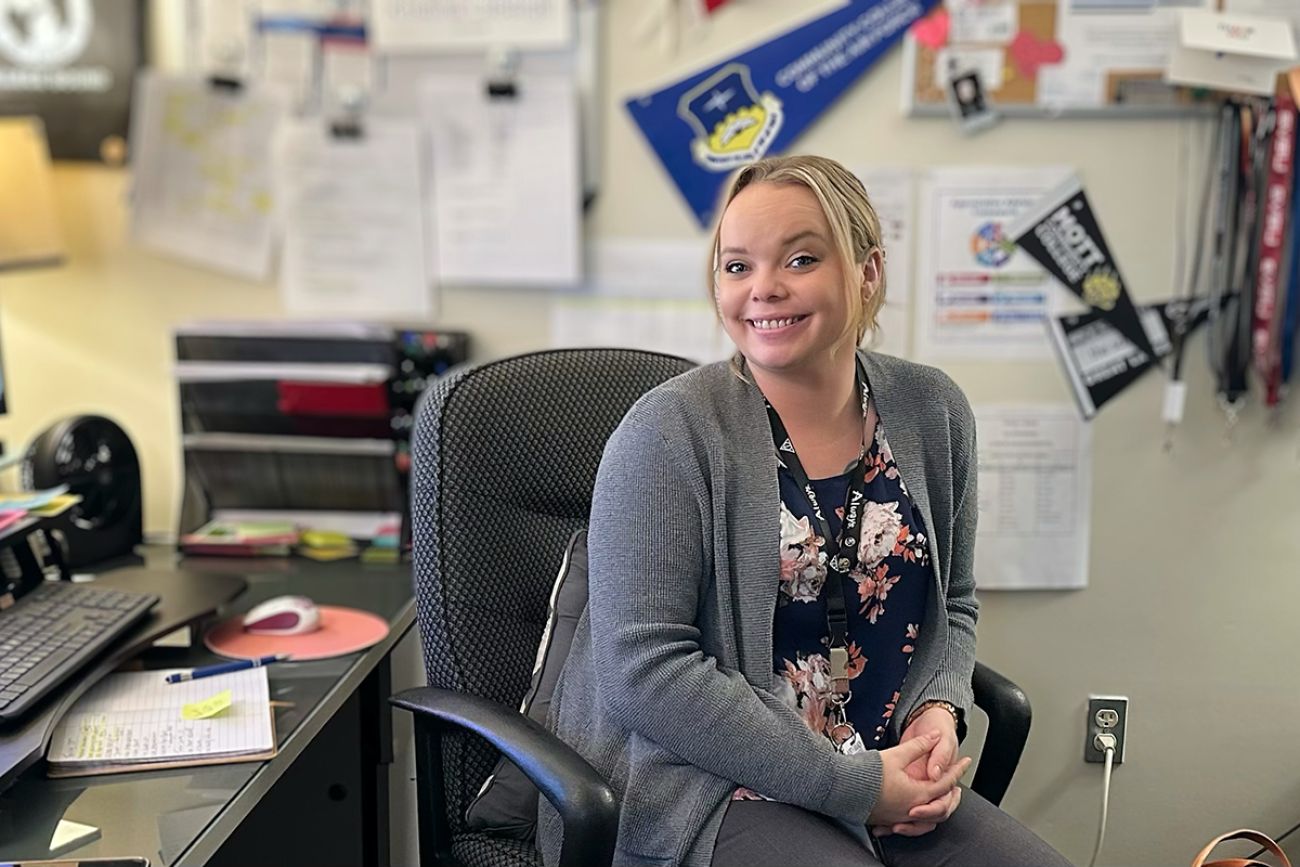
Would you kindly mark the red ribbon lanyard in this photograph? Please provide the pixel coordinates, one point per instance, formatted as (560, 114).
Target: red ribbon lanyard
(1276, 206)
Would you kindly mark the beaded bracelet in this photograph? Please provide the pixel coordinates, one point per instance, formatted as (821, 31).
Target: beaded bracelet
(946, 705)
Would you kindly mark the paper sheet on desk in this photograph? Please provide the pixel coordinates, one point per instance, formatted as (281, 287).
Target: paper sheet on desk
(354, 223)
(201, 159)
(1035, 497)
(32, 500)
(506, 185)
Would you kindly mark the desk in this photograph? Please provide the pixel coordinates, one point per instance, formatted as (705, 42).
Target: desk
(322, 800)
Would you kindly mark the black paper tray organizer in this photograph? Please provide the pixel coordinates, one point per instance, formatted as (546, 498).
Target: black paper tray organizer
(304, 422)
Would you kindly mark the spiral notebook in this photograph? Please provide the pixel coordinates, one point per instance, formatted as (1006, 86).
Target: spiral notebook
(134, 721)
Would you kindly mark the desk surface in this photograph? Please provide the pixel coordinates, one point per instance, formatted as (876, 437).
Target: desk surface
(181, 817)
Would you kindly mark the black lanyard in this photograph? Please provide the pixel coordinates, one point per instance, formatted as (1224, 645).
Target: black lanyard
(1231, 302)
(839, 561)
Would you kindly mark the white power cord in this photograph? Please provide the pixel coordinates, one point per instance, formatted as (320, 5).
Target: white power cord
(1107, 743)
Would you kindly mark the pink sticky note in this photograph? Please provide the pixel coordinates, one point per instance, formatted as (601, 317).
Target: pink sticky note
(932, 30)
(1028, 52)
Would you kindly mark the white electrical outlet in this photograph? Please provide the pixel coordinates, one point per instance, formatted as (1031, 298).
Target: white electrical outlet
(1107, 714)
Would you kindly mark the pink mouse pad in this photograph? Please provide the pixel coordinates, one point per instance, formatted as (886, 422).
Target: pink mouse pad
(342, 631)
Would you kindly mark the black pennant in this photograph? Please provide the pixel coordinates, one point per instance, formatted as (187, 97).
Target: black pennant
(1063, 235)
(1101, 362)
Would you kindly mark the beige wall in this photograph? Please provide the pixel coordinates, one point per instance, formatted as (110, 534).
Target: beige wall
(1193, 589)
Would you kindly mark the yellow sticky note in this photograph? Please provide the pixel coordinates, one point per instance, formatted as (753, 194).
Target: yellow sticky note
(208, 706)
(325, 539)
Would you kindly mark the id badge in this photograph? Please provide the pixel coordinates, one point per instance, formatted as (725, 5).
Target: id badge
(853, 745)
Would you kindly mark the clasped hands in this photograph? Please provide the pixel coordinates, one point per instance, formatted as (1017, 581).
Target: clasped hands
(919, 781)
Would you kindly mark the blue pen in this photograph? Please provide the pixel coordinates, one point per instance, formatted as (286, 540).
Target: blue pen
(223, 667)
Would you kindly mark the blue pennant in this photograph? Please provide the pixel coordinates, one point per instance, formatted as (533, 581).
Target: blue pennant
(759, 101)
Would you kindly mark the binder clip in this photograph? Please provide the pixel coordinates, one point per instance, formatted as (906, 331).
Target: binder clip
(503, 67)
(352, 101)
(225, 78)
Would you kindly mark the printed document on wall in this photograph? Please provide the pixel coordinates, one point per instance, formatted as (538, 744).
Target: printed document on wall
(977, 294)
(1106, 45)
(438, 25)
(676, 327)
(354, 221)
(648, 268)
(1288, 9)
(890, 190)
(1035, 497)
(507, 191)
(202, 176)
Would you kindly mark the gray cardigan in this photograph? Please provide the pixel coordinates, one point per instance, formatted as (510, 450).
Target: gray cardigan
(668, 689)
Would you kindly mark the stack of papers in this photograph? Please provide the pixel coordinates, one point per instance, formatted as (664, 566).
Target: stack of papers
(56, 506)
(241, 539)
(28, 500)
(136, 721)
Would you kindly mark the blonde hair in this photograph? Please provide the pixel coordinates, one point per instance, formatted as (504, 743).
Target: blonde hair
(855, 227)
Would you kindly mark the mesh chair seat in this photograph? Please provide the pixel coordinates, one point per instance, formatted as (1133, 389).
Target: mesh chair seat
(484, 850)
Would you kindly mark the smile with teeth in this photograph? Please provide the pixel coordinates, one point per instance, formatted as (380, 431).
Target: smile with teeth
(771, 324)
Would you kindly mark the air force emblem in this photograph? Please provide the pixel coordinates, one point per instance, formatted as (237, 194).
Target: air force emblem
(733, 123)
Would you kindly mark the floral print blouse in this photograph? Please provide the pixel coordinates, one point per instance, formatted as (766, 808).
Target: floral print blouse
(885, 600)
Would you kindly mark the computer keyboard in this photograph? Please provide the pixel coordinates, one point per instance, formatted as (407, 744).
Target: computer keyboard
(53, 631)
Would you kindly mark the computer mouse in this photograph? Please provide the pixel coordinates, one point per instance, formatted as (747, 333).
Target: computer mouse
(283, 615)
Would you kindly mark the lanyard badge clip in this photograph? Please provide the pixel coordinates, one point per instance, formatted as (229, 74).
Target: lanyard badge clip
(839, 659)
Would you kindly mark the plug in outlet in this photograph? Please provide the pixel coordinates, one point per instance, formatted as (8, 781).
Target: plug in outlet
(1107, 714)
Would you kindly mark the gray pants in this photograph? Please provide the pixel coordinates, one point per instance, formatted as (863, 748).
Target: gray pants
(978, 834)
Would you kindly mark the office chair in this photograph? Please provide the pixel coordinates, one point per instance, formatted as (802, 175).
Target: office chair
(504, 458)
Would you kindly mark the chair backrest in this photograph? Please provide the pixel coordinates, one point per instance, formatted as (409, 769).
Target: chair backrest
(504, 458)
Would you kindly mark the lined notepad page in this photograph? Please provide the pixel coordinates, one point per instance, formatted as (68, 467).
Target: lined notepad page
(136, 717)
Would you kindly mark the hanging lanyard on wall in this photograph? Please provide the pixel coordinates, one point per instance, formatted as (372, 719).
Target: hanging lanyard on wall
(1275, 206)
(840, 559)
(1231, 349)
(1175, 397)
(1223, 244)
(1291, 308)
(1291, 311)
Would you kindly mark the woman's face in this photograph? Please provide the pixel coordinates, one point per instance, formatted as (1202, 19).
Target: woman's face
(780, 284)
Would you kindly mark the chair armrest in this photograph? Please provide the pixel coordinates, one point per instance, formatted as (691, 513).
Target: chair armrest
(1009, 713)
(584, 800)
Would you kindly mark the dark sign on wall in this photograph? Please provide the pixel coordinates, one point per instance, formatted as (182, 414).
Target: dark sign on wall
(72, 63)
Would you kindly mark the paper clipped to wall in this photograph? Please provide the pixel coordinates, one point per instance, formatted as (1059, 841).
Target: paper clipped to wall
(202, 172)
(433, 25)
(354, 237)
(507, 189)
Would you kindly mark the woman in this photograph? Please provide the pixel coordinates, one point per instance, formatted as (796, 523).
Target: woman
(775, 663)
